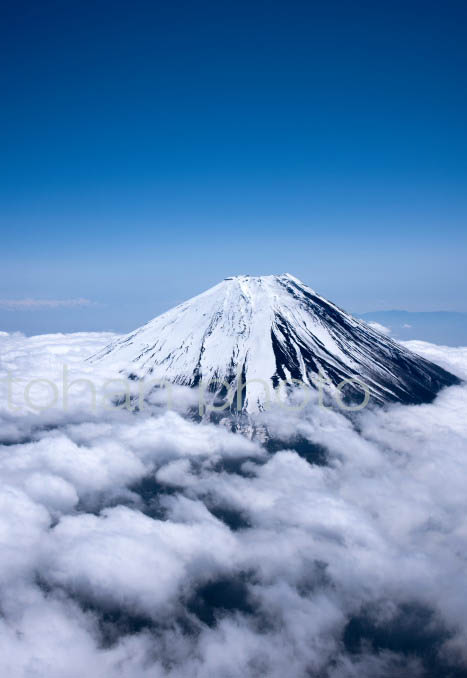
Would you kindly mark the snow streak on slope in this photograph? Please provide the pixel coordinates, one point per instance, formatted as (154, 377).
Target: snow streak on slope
(270, 329)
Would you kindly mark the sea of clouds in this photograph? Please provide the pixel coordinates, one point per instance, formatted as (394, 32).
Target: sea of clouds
(148, 545)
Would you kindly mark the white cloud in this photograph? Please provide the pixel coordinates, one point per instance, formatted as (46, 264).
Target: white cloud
(137, 545)
(453, 358)
(380, 328)
(41, 304)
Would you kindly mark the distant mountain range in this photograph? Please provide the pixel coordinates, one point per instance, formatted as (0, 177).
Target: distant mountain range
(438, 327)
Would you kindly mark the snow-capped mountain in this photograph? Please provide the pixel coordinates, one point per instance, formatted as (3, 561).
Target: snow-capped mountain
(268, 329)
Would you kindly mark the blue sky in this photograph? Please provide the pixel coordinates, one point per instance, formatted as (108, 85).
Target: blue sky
(150, 149)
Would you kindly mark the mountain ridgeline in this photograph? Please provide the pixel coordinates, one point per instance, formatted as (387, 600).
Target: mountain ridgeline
(262, 331)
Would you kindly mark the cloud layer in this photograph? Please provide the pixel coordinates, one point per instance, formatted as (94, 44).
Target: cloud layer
(137, 545)
(41, 304)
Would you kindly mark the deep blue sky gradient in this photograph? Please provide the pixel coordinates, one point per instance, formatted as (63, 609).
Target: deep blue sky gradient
(150, 149)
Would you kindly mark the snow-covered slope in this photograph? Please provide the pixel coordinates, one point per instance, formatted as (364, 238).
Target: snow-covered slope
(269, 329)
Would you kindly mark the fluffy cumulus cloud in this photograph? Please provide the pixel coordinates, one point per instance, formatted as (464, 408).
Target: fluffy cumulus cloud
(141, 543)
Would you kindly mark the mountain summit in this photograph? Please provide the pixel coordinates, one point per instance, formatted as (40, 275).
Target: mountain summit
(271, 329)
